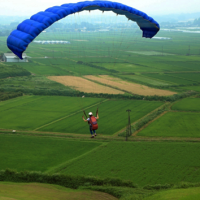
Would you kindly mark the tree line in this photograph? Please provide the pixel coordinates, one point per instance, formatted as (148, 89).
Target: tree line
(74, 93)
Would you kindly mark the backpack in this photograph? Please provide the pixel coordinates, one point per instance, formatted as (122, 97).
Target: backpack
(93, 122)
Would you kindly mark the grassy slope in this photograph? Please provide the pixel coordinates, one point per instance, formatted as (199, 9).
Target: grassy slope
(174, 124)
(142, 162)
(38, 191)
(188, 104)
(112, 115)
(37, 153)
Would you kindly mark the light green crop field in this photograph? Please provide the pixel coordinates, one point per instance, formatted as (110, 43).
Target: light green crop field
(177, 194)
(188, 104)
(37, 153)
(112, 117)
(38, 191)
(169, 78)
(142, 162)
(29, 113)
(146, 80)
(174, 124)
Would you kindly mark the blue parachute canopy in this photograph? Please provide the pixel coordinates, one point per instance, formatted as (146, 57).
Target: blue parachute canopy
(29, 29)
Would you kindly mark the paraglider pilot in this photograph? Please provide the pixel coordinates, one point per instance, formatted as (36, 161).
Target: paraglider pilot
(92, 121)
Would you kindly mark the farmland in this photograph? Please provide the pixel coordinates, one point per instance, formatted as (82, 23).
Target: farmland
(179, 194)
(60, 81)
(188, 104)
(174, 124)
(142, 162)
(84, 85)
(130, 87)
(39, 154)
(60, 114)
(109, 123)
(35, 111)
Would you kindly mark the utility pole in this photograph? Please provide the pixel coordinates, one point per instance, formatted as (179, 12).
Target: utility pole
(128, 131)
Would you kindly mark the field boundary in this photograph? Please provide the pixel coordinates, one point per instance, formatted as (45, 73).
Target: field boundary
(110, 86)
(63, 166)
(84, 137)
(136, 132)
(122, 130)
(68, 116)
(27, 97)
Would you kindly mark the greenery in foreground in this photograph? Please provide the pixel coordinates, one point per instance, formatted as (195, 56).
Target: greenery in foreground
(124, 190)
(140, 162)
(38, 191)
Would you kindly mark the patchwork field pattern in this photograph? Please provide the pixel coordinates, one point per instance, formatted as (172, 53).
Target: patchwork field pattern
(112, 115)
(130, 87)
(84, 85)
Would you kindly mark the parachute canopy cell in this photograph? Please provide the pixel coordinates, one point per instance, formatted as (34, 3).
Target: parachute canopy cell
(29, 29)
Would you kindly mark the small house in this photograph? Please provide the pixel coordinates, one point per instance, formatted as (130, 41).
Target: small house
(11, 57)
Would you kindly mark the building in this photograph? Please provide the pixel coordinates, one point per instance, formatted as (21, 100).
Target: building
(11, 57)
(51, 42)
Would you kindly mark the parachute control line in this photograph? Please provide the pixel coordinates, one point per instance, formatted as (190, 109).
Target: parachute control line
(29, 29)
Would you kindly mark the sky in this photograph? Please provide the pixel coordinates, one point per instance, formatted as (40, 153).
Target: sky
(154, 7)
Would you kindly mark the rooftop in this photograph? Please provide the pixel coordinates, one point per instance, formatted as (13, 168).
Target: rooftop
(12, 55)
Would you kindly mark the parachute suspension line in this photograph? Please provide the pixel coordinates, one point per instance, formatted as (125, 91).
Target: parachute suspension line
(80, 58)
(77, 51)
(122, 38)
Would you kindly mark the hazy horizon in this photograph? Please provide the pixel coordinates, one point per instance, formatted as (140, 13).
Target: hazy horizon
(151, 7)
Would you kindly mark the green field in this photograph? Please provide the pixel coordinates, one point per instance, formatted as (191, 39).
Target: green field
(194, 88)
(188, 104)
(38, 153)
(142, 162)
(174, 124)
(31, 112)
(43, 123)
(146, 80)
(112, 115)
(171, 79)
(177, 194)
(63, 114)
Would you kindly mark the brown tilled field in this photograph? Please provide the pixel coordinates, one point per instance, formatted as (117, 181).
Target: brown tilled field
(130, 87)
(84, 85)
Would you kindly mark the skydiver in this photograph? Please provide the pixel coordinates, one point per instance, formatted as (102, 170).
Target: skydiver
(92, 121)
